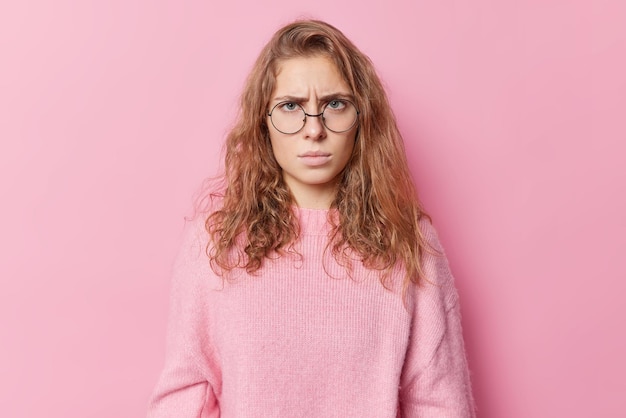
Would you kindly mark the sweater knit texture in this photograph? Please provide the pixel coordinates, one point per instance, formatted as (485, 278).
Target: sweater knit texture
(302, 337)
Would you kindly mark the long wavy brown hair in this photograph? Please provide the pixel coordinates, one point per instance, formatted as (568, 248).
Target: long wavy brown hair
(377, 209)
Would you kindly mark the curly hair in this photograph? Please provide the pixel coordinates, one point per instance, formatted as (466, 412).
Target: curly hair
(378, 212)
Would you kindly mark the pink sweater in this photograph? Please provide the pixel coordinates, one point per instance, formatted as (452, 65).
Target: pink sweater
(302, 339)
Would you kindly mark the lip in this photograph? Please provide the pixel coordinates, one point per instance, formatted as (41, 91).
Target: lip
(314, 158)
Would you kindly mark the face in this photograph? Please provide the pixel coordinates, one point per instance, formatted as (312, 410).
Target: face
(312, 158)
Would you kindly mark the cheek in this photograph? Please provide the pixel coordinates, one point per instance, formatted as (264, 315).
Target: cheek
(350, 150)
(280, 149)
(350, 145)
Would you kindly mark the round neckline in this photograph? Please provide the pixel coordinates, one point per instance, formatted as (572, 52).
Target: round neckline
(313, 221)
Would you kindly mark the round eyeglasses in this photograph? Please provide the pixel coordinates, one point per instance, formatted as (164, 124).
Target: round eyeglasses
(338, 116)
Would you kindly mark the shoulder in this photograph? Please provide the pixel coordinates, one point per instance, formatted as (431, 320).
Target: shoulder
(429, 233)
(195, 236)
(192, 272)
(437, 279)
(195, 228)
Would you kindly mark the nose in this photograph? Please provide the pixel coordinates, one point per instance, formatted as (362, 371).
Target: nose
(314, 127)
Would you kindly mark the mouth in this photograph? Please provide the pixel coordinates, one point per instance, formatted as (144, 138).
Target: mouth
(314, 154)
(314, 158)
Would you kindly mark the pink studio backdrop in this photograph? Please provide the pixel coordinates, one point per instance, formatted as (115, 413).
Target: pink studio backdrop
(112, 113)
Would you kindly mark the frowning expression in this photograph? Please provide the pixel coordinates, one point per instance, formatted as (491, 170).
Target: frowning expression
(312, 158)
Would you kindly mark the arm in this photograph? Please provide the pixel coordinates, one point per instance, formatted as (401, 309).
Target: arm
(186, 387)
(435, 380)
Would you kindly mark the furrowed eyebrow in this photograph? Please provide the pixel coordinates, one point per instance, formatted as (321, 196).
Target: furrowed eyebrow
(324, 98)
(337, 96)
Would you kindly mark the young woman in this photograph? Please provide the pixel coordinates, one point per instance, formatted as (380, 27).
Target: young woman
(314, 284)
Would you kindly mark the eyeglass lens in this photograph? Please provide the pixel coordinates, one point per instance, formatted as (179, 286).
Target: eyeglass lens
(337, 116)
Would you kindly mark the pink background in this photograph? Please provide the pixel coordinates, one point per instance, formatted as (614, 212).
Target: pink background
(112, 113)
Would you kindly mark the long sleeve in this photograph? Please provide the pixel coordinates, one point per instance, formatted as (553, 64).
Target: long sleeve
(435, 380)
(301, 338)
(186, 388)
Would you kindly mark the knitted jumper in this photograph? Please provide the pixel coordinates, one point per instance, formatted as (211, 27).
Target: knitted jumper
(302, 338)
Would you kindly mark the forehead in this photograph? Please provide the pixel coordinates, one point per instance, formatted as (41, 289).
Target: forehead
(307, 75)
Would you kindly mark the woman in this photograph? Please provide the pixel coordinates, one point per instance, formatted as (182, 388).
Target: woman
(313, 285)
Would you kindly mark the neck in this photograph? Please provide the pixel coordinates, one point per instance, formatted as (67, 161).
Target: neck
(312, 197)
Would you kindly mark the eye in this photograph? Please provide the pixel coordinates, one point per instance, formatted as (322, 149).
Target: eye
(336, 104)
(288, 106)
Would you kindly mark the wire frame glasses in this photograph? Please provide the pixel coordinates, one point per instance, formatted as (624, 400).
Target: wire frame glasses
(337, 116)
